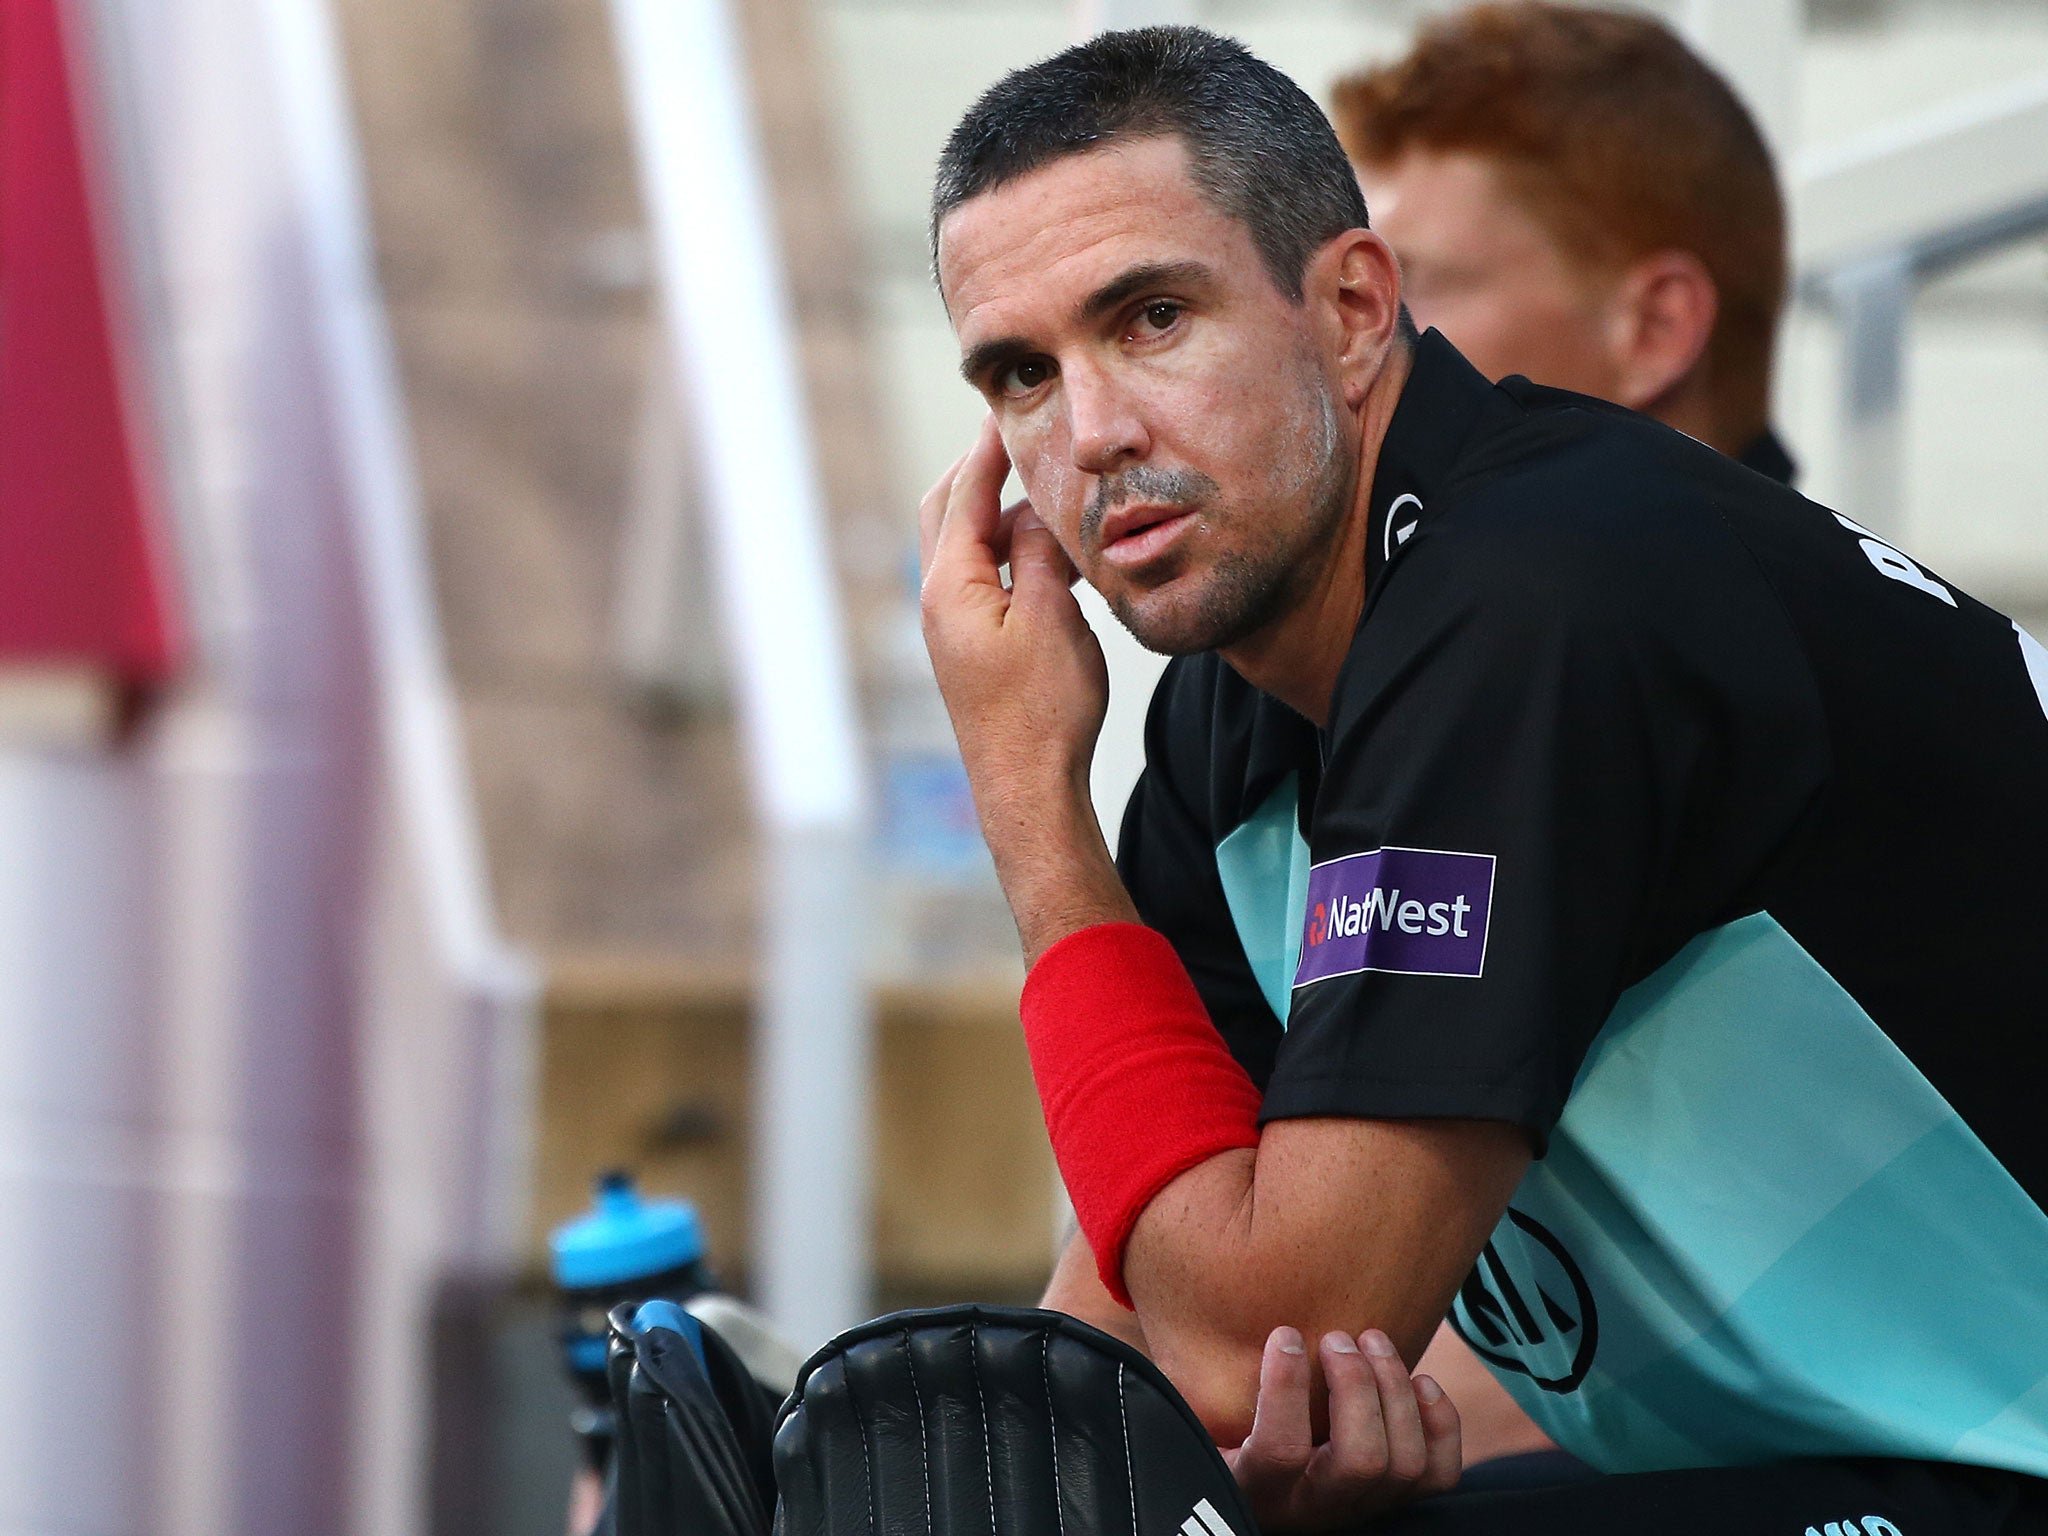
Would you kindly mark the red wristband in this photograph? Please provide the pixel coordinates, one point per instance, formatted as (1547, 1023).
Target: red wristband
(1136, 1084)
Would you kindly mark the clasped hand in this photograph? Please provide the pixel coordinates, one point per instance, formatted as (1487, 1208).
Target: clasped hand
(1392, 1438)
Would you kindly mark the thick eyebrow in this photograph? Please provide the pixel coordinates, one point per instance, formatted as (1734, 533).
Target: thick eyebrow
(990, 356)
(1120, 290)
(984, 359)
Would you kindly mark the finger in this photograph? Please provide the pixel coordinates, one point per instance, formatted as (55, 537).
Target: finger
(931, 512)
(1407, 1453)
(1357, 1449)
(1064, 567)
(1444, 1434)
(1280, 1442)
(965, 548)
(1038, 565)
(1006, 526)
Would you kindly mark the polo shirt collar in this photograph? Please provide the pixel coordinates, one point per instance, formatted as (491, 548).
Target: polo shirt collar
(1443, 405)
(1768, 456)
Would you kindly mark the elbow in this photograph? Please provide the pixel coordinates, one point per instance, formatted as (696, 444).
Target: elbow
(1219, 1380)
(1213, 1351)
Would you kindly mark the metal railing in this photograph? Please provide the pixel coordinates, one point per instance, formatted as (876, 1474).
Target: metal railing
(1882, 215)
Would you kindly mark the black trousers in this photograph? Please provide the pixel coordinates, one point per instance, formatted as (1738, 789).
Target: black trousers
(1859, 1497)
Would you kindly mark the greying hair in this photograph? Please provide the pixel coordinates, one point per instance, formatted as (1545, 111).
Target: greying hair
(1259, 148)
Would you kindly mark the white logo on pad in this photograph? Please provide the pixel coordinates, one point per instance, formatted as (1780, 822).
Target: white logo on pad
(1205, 1522)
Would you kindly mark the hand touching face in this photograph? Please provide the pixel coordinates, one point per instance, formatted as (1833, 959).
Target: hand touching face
(1022, 674)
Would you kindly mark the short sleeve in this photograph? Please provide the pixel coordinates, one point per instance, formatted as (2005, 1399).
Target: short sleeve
(1550, 763)
(1167, 858)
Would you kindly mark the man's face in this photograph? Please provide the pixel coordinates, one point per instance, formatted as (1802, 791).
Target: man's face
(1477, 266)
(1168, 408)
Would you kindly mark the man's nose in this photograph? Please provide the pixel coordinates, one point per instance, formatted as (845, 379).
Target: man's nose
(1109, 433)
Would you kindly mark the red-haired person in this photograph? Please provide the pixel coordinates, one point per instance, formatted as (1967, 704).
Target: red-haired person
(1577, 197)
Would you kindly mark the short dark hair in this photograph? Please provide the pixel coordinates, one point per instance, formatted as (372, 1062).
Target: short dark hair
(1260, 149)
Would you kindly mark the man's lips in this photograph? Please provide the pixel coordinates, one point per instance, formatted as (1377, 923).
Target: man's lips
(1133, 535)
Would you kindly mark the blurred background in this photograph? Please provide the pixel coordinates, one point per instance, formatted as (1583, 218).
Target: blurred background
(463, 723)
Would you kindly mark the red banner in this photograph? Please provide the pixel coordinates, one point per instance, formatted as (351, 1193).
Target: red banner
(80, 583)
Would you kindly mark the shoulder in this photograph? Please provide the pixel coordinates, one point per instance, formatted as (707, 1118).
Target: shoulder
(1592, 552)
(1581, 514)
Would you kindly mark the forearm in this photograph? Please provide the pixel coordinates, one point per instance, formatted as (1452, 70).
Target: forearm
(1327, 1225)
(1223, 1255)
(1050, 856)
(1341, 1225)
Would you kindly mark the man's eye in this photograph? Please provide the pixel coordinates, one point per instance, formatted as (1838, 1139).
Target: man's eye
(1022, 378)
(1159, 315)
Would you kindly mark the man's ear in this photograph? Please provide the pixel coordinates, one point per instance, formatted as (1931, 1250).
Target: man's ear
(1663, 318)
(1356, 283)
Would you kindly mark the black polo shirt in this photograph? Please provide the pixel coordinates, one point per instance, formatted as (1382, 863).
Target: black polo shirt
(1701, 833)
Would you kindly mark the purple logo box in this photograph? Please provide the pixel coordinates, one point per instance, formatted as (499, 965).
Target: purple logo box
(1417, 911)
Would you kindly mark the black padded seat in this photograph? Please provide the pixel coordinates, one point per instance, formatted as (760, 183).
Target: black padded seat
(994, 1421)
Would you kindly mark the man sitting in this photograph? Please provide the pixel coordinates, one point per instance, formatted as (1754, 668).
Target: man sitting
(1576, 885)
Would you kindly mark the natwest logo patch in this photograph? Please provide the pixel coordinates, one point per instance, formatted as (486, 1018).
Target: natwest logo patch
(1418, 911)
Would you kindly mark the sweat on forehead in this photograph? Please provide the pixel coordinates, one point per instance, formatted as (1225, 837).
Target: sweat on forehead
(1258, 146)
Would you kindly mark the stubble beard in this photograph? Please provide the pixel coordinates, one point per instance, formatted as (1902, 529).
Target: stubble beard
(1248, 588)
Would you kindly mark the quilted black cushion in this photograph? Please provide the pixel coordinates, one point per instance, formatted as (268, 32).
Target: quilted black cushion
(994, 1421)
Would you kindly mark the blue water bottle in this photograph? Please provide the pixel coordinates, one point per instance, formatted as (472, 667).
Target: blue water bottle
(624, 1248)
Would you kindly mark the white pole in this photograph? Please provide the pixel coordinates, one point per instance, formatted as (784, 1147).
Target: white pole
(663, 632)
(731, 341)
(1873, 300)
(444, 1012)
(1914, 181)
(1882, 213)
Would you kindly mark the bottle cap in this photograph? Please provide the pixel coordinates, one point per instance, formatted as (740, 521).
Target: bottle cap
(622, 1238)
